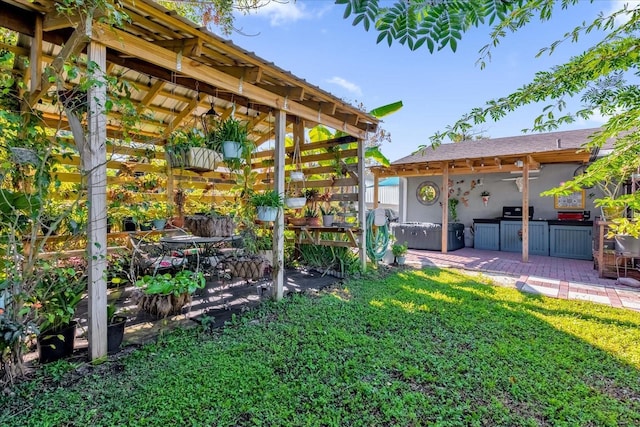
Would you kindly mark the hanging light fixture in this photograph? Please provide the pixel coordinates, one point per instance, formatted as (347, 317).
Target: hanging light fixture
(208, 117)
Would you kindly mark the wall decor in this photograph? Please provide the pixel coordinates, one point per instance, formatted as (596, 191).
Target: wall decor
(428, 193)
(570, 201)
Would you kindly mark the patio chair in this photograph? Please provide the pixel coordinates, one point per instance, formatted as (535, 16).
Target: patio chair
(627, 251)
(149, 258)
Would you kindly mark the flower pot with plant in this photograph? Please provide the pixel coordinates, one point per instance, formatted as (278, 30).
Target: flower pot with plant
(115, 329)
(55, 300)
(328, 213)
(231, 138)
(312, 216)
(485, 197)
(399, 252)
(267, 204)
(164, 294)
(188, 150)
(159, 213)
(453, 209)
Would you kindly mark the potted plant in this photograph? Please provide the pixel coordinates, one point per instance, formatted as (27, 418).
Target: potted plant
(485, 197)
(230, 137)
(54, 300)
(399, 252)
(453, 209)
(328, 213)
(159, 213)
(188, 150)
(115, 329)
(164, 294)
(295, 199)
(312, 216)
(267, 204)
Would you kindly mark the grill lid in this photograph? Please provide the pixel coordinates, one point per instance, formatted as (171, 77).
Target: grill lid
(515, 212)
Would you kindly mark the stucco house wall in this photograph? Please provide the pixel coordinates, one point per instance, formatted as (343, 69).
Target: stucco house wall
(503, 193)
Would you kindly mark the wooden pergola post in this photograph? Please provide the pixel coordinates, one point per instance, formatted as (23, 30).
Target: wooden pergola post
(362, 207)
(278, 226)
(525, 211)
(94, 155)
(445, 207)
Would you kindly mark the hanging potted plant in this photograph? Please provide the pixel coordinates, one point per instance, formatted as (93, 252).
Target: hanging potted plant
(267, 204)
(295, 200)
(485, 197)
(230, 137)
(188, 150)
(164, 295)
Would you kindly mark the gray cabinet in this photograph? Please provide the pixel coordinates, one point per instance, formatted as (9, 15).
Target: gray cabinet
(567, 241)
(486, 236)
(511, 239)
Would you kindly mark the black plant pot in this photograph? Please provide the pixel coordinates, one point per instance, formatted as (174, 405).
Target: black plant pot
(56, 344)
(146, 226)
(128, 224)
(115, 333)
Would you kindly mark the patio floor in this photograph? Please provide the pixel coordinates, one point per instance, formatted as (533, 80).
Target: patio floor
(549, 276)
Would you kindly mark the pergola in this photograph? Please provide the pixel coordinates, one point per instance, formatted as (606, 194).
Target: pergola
(178, 71)
(520, 153)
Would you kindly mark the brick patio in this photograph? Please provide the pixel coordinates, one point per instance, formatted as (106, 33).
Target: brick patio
(552, 277)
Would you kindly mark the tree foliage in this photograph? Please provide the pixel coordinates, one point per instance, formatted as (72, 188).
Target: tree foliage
(603, 77)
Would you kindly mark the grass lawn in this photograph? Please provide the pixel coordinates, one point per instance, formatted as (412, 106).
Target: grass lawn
(430, 347)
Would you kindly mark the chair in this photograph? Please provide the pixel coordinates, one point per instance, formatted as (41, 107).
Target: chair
(627, 248)
(149, 258)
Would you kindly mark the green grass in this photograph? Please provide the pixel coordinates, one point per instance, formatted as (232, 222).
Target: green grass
(429, 347)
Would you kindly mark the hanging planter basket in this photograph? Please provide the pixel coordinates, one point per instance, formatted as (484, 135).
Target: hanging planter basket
(231, 150)
(296, 176)
(267, 213)
(197, 159)
(163, 305)
(295, 202)
(248, 268)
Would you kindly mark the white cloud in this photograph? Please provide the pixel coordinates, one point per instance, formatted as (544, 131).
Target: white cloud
(281, 13)
(617, 5)
(345, 84)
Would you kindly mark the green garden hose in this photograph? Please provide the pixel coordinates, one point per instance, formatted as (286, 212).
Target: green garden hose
(377, 239)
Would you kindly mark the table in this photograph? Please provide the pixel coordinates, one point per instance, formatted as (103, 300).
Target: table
(202, 248)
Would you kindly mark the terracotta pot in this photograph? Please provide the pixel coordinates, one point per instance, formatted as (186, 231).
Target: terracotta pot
(177, 221)
(314, 221)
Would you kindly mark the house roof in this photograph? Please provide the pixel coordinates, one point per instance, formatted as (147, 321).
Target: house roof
(494, 155)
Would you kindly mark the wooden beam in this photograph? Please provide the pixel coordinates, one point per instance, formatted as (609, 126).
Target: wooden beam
(55, 20)
(74, 45)
(525, 212)
(151, 93)
(181, 116)
(376, 190)
(445, 209)
(278, 226)
(126, 43)
(35, 57)
(362, 207)
(95, 159)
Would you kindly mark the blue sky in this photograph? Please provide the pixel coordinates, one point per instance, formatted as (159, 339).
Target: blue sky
(311, 39)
